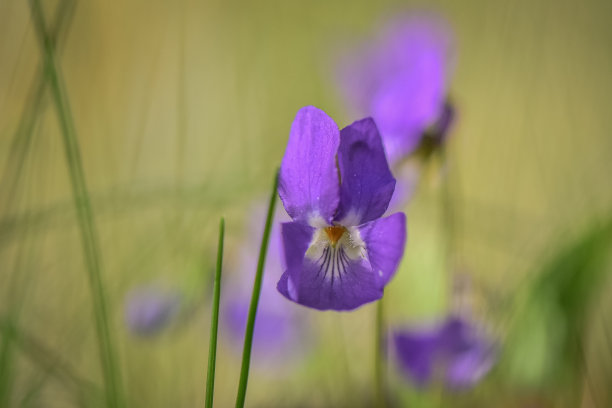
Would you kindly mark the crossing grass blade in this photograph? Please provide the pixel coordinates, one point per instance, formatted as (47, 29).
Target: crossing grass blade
(12, 176)
(89, 237)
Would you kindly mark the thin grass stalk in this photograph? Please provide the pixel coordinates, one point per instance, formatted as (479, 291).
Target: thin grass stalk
(22, 138)
(380, 356)
(48, 361)
(248, 335)
(18, 283)
(214, 320)
(13, 170)
(89, 239)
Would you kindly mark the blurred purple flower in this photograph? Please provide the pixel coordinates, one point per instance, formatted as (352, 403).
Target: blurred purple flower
(149, 309)
(336, 185)
(407, 177)
(441, 127)
(401, 80)
(279, 327)
(453, 349)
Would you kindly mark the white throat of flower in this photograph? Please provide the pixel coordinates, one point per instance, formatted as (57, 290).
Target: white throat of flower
(333, 248)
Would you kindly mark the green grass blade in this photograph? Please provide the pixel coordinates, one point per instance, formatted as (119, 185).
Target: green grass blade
(22, 138)
(545, 342)
(248, 336)
(12, 175)
(214, 320)
(379, 356)
(48, 362)
(83, 208)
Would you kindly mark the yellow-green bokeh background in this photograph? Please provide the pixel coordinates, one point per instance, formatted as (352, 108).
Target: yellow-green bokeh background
(182, 111)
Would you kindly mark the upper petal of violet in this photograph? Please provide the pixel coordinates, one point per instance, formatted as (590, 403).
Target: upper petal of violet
(308, 179)
(367, 183)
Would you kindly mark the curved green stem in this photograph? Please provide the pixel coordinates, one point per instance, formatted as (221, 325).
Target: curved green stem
(248, 336)
(214, 320)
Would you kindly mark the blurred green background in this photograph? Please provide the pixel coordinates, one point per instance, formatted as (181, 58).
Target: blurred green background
(182, 111)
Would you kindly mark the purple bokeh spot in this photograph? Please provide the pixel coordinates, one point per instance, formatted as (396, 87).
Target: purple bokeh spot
(149, 309)
(453, 348)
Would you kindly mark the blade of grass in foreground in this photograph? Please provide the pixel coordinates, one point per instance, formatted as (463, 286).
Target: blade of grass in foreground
(89, 237)
(380, 356)
(214, 320)
(248, 335)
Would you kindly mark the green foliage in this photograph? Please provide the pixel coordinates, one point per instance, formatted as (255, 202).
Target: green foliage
(545, 342)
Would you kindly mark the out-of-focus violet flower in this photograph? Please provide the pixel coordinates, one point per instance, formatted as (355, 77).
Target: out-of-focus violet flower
(453, 350)
(440, 129)
(279, 334)
(336, 185)
(401, 80)
(407, 177)
(150, 308)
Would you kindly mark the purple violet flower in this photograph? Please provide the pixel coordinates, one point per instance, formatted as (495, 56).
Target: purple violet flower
(279, 328)
(453, 350)
(149, 309)
(401, 80)
(336, 185)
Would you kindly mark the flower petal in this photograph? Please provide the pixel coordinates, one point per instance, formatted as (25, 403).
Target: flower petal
(415, 62)
(367, 183)
(401, 79)
(332, 281)
(308, 181)
(469, 354)
(403, 108)
(469, 367)
(416, 353)
(295, 237)
(385, 240)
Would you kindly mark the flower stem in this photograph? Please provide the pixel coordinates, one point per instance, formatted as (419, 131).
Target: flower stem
(448, 211)
(89, 237)
(379, 356)
(214, 320)
(248, 336)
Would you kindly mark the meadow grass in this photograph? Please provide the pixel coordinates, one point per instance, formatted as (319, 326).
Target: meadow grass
(89, 238)
(177, 127)
(12, 175)
(250, 326)
(214, 320)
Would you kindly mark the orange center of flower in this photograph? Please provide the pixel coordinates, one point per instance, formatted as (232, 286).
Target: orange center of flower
(334, 233)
